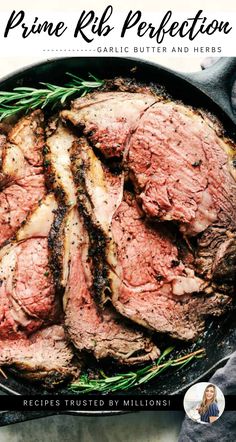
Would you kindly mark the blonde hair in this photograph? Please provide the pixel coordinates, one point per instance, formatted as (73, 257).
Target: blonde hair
(204, 404)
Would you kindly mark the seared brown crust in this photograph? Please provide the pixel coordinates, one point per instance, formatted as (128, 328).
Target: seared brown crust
(56, 246)
(57, 233)
(55, 182)
(98, 240)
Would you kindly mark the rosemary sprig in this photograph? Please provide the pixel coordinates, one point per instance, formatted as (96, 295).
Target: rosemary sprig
(21, 99)
(125, 381)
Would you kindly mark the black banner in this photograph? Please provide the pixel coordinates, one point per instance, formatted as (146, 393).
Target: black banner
(98, 403)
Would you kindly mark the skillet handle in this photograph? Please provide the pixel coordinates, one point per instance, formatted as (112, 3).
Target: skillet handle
(216, 81)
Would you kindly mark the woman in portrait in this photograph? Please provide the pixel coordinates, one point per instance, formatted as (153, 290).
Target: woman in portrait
(208, 409)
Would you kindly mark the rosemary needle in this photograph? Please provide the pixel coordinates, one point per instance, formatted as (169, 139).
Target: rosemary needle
(125, 381)
(22, 99)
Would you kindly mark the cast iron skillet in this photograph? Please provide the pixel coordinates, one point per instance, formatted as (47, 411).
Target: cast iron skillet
(209, 89)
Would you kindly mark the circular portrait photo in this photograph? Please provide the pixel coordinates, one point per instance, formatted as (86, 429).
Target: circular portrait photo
(204, 403)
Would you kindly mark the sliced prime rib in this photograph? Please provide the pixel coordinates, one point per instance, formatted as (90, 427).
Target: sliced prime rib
(30, 339)
(166, 295)
(180, 164)
(109, 118)
(152, 281)
(27, 294)
(99, 194)
(45, 355)
(182, 168)
(21, 177)
(59, 178)
(99, 331)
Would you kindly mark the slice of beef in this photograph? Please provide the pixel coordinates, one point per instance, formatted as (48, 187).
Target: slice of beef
(101, 332)
(180, 165)
(109, 118)
(45, 356)
(182, 168)
(59, 178)
(27, 294)
(21, 178)
(59, 141)
(99, 194)
(151, 285)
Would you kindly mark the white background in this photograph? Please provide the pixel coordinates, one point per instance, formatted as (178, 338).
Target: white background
(16, 52)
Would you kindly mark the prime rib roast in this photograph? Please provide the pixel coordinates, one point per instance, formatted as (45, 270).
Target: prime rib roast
(117, 223)
(100, 331)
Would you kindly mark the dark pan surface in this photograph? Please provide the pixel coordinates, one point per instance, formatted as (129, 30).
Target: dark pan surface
(220, 335)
